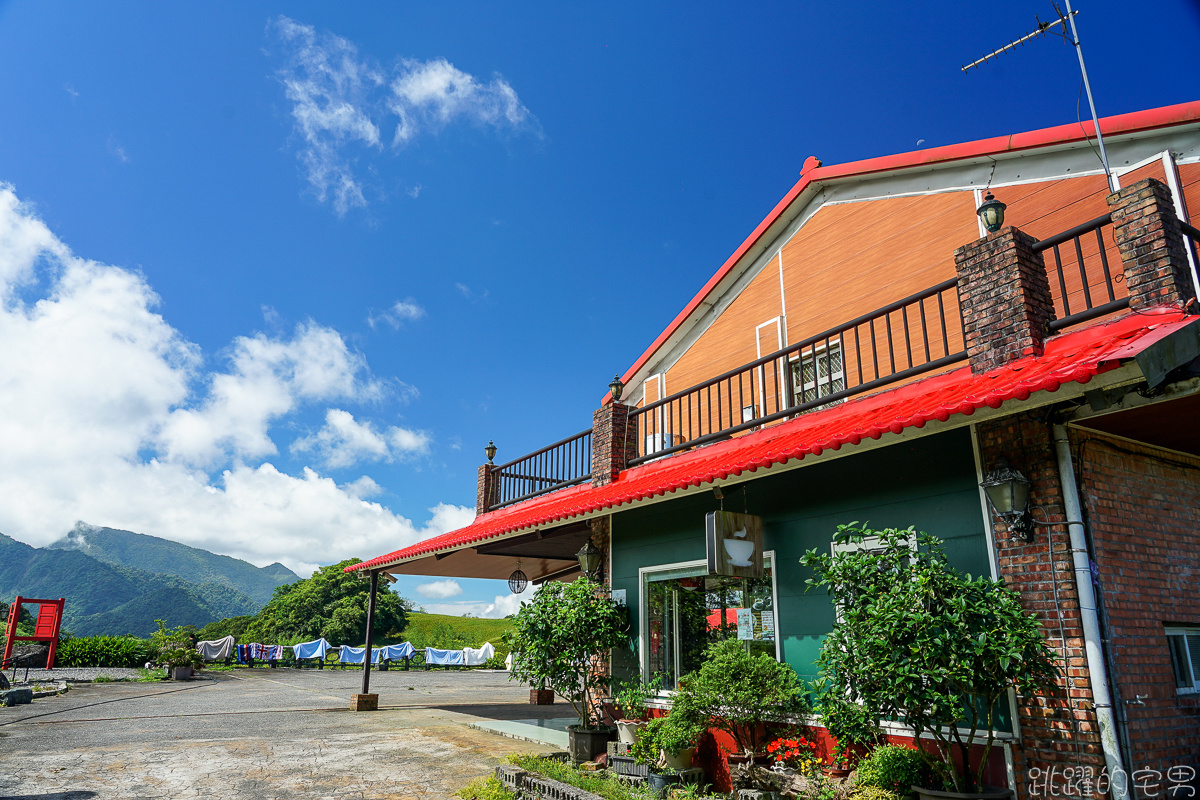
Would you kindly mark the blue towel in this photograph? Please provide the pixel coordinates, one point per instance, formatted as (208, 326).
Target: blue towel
(443, 657)
(314, 649)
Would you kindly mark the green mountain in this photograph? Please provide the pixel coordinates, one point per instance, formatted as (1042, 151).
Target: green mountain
(152, 554)
(105, 596)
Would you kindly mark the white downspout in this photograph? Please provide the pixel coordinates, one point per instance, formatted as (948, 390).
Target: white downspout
(1101, 694)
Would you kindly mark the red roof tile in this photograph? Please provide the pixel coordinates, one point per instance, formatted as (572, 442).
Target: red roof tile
(1076, 356)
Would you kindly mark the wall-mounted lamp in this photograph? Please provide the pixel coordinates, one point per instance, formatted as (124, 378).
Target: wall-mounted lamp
(991, 212)
(1008, 495)
(490, 450)
(589, 560)
(616, 387)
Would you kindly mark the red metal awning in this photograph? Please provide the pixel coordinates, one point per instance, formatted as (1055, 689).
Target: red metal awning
(1077, 357)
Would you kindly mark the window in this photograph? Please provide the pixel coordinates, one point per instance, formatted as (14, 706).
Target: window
(818, 374)
(684, 610)
(1184, 644)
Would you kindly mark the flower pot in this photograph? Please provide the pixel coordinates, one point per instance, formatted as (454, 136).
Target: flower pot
(988, 793)
(679, 759)
(584, 744)
(659, 782)
(628, 729)
(836, 773)
(181, 673)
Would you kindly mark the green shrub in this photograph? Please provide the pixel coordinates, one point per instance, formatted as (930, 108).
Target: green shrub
(894, 768)
(489, 788)
(103, 651)
(874, 793)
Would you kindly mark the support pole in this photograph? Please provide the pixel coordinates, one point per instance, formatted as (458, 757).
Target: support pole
(1087, 85)
(366, 687)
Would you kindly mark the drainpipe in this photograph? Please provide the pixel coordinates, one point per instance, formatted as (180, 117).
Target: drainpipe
(1098, 674)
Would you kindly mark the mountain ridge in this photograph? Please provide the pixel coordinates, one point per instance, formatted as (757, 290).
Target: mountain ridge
(111, 596)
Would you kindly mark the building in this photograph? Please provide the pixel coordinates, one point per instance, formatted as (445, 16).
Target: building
(870, 352)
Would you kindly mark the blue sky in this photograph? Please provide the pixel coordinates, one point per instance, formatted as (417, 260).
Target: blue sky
(273, 273)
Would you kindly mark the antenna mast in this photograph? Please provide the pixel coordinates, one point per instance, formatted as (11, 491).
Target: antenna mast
(1071, 38)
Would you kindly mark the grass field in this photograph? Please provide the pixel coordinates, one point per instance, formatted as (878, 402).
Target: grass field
(442, 631)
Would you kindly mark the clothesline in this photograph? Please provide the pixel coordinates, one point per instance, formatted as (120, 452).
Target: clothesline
(222, 649)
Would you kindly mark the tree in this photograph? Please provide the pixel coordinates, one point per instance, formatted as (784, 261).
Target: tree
(559, 637)
(737, 692)
(332, 604)
(920, 642)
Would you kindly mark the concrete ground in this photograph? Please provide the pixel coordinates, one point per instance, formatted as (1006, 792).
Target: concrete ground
(265, 733)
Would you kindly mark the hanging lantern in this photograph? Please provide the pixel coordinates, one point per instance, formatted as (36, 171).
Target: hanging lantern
(518, 580)
(1007, 493)
(991, 213)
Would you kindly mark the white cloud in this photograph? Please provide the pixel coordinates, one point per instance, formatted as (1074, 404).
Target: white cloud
(501, 606)
(118, 151)
(343, 441)
(401, 311)
(109, 417)
(431, 94)
(341, 103)
(440, 590)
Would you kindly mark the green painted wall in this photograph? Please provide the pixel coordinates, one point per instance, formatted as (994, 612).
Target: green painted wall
(928, 482)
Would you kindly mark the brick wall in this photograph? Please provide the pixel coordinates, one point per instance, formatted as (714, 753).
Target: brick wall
(1058, 729)
(614, 442)
(485, 488)
(1147, 233)
(1141, 507)
(1005, 298)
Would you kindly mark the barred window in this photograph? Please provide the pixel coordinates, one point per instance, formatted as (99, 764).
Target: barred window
(817, 375)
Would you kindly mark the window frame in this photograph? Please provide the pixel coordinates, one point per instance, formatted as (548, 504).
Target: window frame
(796, 363)
(687, 569)
(1191, 656)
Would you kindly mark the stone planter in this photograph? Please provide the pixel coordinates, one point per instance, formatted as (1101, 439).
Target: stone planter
(986, 794)
(181, 673)
(584, 744)
(628, 730)
(541, 697)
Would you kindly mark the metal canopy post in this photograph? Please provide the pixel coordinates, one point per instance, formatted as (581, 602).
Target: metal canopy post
(366, 686)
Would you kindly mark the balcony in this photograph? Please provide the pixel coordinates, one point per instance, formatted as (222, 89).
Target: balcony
(908, 338)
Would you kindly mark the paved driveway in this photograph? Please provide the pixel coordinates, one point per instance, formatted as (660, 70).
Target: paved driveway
(262, 734)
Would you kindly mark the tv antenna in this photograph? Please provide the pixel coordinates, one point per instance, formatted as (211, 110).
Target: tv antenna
(1070, 37)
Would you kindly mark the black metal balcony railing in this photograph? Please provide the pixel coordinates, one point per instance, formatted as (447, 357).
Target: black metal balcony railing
(1085, 271)
(900, 340)
(910, 337)
(564, 463)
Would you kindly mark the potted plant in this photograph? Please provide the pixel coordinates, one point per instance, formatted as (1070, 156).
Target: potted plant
(176, 649)
(181, 662)
(919, 642)
(793, 755)
(559, 639)
(853, 727)
(631, 700)
(666, 746)
(736, 692)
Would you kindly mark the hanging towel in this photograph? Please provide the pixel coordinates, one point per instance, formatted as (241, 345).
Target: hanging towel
(397, 652)
(478, 656)
(216, 649)
(314, 649)
(354, 655)
(443, 657)
(508, 662)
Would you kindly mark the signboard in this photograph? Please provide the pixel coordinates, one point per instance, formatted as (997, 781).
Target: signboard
(734, 543)
(745, 624)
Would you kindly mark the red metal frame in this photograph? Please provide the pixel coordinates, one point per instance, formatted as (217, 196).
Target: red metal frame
(45, 628)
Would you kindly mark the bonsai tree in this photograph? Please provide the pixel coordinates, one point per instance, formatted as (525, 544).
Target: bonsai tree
(664, 736)
(919, 642)
(736, 692)
(559, 638)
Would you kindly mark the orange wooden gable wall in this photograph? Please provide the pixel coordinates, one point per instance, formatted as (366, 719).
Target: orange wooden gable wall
(852, 258)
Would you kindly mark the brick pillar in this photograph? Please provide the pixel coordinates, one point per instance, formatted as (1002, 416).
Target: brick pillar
(614, 442)
(485, 488)
(1151, 244)
(602, 538)
(1005, 299)
(1059, 728)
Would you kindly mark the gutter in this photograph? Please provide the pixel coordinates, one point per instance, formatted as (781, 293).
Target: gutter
(1093, 648)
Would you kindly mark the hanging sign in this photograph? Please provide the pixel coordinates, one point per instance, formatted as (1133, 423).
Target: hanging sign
(734, 544)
